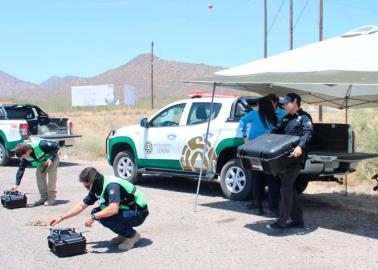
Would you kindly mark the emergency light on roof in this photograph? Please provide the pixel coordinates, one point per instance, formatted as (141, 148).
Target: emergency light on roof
(203, 94)
(7, 102)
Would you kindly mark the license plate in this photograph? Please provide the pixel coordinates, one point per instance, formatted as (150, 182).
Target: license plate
(69, 142)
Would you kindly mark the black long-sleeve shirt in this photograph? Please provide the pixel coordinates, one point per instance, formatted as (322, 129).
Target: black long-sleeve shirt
(48, 147)
(298, 124)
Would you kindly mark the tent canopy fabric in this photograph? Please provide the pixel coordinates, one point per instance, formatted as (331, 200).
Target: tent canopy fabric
(341, 72)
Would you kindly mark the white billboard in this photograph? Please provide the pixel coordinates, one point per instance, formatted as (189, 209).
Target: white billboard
(93, 95)
(129, 94)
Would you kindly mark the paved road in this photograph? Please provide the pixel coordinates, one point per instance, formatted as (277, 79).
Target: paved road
(220, 235)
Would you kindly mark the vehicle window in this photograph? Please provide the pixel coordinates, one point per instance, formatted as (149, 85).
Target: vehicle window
(15, 113)
(241, 110)
(243, 107)
(2, 115)
(200, 111)
(169, 117)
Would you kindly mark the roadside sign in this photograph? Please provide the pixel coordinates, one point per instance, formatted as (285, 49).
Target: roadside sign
(93, 95)
(129, 94)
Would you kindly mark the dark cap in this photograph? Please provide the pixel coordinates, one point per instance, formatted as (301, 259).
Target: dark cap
(291, 97)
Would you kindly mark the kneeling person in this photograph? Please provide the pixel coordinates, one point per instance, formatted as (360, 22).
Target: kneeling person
(122, 207)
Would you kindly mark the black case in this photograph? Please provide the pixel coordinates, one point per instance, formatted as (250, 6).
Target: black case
(269, 153)
(13, 199)
(66, 242)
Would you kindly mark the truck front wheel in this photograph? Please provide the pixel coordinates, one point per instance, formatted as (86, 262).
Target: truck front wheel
(4, 156)
(235, 180)
(125, 167)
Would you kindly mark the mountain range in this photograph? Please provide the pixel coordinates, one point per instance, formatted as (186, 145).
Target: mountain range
(169, 77)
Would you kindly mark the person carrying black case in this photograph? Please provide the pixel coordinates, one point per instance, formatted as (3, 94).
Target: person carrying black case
(297, 123)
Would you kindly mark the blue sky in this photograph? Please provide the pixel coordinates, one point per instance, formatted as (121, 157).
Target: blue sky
(42, 38)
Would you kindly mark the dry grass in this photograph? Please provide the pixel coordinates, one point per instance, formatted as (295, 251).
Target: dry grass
(94, 126)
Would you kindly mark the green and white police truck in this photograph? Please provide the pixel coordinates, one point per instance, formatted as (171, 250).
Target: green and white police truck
(171, 142)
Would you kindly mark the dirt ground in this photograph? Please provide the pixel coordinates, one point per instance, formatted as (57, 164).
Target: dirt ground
(341, 231)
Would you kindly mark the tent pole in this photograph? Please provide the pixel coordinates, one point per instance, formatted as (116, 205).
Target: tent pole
(204, 150)
(346, 122)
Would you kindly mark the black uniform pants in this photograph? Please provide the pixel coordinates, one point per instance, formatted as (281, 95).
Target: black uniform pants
(259, 181)
(290, 206)
(123, 222)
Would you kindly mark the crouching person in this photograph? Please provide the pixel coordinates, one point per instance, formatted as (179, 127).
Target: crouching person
(122, 207)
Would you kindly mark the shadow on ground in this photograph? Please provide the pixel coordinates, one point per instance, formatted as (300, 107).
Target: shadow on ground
(14, 162)
(261, 227)
(68, 164)
(355, 214)
(183, 185)
(112, 248)
(324, 210)
(57, 202)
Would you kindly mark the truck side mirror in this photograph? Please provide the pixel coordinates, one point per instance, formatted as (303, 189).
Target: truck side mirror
(144, 123)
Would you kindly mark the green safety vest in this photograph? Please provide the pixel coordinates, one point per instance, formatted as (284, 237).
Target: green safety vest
(139, 200)
(39, 154)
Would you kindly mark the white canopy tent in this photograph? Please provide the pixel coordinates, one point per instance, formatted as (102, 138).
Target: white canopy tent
(341, 72)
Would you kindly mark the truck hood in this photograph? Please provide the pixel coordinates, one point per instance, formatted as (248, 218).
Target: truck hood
(129, 130)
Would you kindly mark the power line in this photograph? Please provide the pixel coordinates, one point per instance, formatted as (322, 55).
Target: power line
(301, 13)
(275, 16)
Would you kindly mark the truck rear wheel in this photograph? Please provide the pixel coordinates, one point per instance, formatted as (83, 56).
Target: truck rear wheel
(4, 156)
(125, 167)
(235, 180)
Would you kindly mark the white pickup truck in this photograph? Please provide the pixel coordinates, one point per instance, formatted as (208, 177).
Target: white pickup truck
(171, 142)
(23, 122)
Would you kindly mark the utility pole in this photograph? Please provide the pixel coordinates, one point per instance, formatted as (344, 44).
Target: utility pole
(320, 39)
(152, 75)
(321, 21)
(265, 28)
(291, 25)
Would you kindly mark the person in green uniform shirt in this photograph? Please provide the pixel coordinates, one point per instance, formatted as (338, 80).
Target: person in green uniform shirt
(122, 207)
(44, 155)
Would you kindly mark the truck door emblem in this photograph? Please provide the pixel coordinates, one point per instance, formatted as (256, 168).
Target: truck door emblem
(148, 147)
(191, 156)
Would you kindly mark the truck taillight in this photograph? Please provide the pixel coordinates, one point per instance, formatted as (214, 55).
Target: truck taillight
(24, 131)
(70, 127)
(353, 141)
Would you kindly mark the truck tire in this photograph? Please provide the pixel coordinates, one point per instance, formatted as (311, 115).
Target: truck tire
(4, 156)
(235, 180)
(301, 184)
(125, 167)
